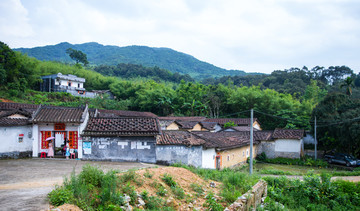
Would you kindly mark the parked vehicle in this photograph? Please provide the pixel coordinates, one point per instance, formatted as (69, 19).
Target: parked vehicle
(343, 159)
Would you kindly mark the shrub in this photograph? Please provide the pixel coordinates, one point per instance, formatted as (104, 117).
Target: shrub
(261, 157)
(178, 192)
(148, 174)
(60, 196)
(168, 179)
(211, 203)
(91, 175)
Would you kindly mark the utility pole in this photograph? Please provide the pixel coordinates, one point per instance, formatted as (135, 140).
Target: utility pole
(315, 139)
(251, 141)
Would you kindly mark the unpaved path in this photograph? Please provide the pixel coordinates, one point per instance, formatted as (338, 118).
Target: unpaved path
(25, 183)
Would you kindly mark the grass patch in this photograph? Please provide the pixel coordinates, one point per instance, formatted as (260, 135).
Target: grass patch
(315, 192)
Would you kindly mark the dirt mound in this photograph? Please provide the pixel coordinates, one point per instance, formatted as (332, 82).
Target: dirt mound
(194, 187)
(66, 207)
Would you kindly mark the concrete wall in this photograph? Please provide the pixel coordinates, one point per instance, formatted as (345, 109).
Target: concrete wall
(235, 156)
(290, 148)
(208, 158)
(10, 145)
(137, 149)
(268, 147)
(169, 154)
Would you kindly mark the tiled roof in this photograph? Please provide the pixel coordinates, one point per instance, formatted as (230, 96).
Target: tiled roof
(13, 121)
(263, 135)
(165, 123)
(183, 118)
(237, 121)
(15, 111)
(209, 125)
(178, 138)
(122, 126)
(52, 114)
(5, 120)
(12, 106)
(242, 128)
(225, 140)
(119, 113)
(186, 124)
(288, 134)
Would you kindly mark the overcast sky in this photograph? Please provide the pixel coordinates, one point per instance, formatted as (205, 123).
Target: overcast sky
(249, 35)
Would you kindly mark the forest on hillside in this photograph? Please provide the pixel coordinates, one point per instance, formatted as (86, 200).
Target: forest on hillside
(284, 99)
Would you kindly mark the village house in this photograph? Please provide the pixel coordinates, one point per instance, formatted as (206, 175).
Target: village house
(70, 84)
(286, 143)
(61, 123)
(179, 147)
(16, 130)
(121, 139)
(225, 149)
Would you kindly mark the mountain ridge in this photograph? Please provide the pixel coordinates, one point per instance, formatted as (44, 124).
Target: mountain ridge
(161, 57)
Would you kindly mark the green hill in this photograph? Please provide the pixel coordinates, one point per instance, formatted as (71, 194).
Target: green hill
(164, 58)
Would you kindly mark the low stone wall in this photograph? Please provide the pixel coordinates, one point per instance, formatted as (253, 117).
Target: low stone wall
(251, 199)
(16, 155)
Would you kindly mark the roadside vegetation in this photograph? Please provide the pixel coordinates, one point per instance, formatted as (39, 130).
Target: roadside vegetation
(170, 188)
(315, 192)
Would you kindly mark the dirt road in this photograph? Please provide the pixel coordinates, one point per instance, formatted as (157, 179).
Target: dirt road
(25, 183)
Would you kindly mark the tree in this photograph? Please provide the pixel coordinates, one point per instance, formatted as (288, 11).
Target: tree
(348, 83)
(338, 123)
(78, 56)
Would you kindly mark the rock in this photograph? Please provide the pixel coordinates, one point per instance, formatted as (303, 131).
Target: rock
(129, 208)
(236, 206)
(191, 205)
(141, 202)
(171, 202)
(212, 184)
(127, 198)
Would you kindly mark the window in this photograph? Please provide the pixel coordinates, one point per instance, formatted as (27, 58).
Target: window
(247, 153)
(69, 83)
(78, 85)
(228, 157)
(243, 153)
(20, 139)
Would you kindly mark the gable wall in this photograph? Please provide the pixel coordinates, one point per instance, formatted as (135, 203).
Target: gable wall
(129, 148)
(172, 126)
(170, 154)
(9, 139)
(235, 156)
(290, 148)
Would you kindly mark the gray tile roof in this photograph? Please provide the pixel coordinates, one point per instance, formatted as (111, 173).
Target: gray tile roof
(53, 114)
(122, 126)
(178, 138)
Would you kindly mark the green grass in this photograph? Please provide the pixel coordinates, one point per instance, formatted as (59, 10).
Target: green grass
(279, 169)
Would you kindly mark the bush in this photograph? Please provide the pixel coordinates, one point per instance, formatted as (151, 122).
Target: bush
(212, 204)
(60, 196)
(169, 180)
(91, 175)
(261, 157)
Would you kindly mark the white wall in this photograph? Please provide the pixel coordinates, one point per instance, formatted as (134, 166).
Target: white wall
(9, 139)
(287, 145)
(208, 158)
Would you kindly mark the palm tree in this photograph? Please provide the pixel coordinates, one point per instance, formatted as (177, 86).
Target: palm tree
(348, 83)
